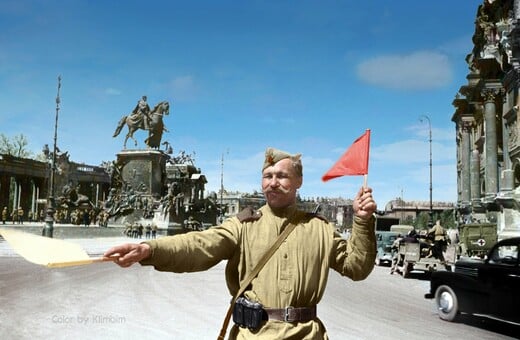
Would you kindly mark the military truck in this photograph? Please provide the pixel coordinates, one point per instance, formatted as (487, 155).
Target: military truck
(418, 256)
(476, 239)
(384, 223)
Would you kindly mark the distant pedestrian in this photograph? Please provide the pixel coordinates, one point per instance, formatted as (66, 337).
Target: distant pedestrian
(140, 230)
(86, 218)
(148, 232)
(5, 214)
(154, 231)
(20, 215)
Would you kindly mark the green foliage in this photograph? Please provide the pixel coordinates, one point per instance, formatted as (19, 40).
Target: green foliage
(15, 146)
(408, 220)
(421, 222)
(447, 218)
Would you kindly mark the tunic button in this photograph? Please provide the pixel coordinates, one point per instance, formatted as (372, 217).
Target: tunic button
(285, 256)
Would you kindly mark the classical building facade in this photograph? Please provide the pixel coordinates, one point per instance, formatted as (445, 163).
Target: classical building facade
(410, 210)
(486, 119)
(24, 183)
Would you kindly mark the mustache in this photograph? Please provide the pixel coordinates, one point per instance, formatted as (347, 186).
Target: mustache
(277, 191)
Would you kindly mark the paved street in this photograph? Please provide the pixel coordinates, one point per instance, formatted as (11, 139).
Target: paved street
(103, 301)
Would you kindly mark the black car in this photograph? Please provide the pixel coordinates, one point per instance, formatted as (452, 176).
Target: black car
(488, 287)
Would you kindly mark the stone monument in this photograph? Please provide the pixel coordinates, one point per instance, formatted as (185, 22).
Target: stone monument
(138, 175)
(151, 187)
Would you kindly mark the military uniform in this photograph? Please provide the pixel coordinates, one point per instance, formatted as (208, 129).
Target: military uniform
(297, 273)
(439, 234)
(439, 240)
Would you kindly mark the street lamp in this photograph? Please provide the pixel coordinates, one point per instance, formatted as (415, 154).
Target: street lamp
(51, 206)
(222, 187)
(421, 119)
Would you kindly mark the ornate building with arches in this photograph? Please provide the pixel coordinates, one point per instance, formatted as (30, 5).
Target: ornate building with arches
(486, 118)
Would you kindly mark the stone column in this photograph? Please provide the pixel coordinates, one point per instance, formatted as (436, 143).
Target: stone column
(25, 195)
(16, 195)
(491, 145)
(475, 176)
(465, 150)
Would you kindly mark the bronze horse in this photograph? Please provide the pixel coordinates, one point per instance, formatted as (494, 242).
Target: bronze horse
(155, 125)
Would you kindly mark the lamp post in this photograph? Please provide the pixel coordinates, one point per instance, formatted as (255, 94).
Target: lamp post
(51, 207)
(430, 220)
(221, 217)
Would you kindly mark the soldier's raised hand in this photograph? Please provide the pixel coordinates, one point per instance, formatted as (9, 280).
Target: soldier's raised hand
(364, 205)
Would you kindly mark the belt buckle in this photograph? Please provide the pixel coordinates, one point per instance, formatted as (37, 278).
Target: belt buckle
(286, 314)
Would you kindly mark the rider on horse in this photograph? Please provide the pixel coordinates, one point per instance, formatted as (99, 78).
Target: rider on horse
(141, 113)
(144, 118)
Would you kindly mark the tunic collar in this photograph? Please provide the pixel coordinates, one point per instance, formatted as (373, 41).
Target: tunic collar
(286, 212)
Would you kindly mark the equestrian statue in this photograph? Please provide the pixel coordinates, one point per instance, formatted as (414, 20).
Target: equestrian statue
(145, 119)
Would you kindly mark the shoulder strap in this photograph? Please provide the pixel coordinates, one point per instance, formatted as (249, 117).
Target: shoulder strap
(267, 255)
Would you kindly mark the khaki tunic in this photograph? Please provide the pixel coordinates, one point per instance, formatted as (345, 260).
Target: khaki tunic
(438, 232)
(300, 267)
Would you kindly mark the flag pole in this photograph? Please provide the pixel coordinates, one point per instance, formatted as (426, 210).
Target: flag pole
(365, 179)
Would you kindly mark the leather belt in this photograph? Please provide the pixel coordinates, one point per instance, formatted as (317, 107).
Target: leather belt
(291, 314)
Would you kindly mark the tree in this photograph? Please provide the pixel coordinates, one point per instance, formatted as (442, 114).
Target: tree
(421, 222)
(15, 146)
(448, 219)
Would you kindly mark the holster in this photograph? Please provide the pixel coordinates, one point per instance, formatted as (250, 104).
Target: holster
(248, 314)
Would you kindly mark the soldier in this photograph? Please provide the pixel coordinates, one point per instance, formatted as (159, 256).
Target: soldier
(291, 284)
(5, 213)
(439, 240)
(395, 252)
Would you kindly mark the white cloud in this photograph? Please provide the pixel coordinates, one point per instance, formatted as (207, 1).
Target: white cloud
(417, 71)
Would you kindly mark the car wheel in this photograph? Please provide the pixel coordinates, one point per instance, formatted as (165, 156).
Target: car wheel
(447, 303)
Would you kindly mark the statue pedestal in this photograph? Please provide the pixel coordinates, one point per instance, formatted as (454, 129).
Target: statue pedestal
(143, 171)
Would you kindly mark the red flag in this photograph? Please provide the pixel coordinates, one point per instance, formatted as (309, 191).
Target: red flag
(354, 161)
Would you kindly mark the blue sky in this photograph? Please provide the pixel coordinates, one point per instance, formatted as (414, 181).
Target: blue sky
(302, 76)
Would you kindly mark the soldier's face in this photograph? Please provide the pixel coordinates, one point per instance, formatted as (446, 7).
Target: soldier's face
(280, 184)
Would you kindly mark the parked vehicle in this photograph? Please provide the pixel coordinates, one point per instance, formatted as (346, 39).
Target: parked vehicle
(385, 239)
(486, 287)
(476, 239)
(384, 223)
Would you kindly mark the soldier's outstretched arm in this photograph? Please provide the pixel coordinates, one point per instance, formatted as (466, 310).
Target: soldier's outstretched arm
(129, 253)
